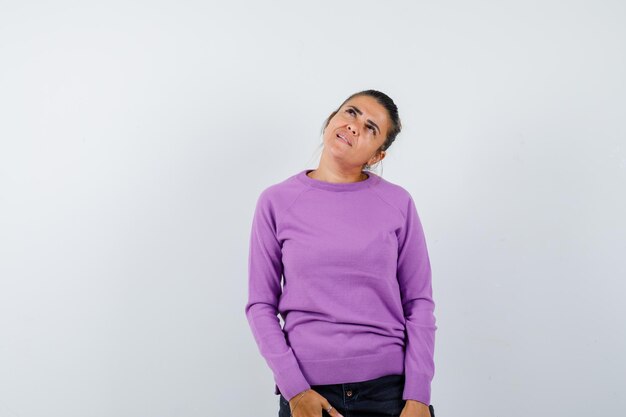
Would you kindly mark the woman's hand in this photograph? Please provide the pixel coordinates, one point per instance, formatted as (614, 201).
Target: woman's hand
(311, 404)
(413, 408)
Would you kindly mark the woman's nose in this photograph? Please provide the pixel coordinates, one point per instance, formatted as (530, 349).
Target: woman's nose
(352, 130)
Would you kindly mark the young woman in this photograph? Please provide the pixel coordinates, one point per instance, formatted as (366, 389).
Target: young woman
(356, 294)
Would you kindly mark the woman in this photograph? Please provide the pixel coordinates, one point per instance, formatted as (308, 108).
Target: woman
(356, 297)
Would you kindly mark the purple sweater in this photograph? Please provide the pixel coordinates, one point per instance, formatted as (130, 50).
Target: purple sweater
(356, 295)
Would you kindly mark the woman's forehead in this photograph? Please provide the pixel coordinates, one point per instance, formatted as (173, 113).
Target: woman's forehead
(367, 105)
(370, 107)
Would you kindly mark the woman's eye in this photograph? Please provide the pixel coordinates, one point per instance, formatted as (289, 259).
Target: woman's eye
(352, 112)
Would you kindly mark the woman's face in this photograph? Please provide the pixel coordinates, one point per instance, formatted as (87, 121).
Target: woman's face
(357, 130)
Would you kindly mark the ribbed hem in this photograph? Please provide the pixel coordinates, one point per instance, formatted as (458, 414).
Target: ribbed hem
(291, 382)
(417, 387)
(356, 369)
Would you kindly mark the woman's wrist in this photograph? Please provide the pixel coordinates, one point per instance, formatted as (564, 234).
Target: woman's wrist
(299, 394)
(415, 403)
(293, 403)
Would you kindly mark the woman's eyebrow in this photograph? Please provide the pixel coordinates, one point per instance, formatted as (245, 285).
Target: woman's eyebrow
(361, 113)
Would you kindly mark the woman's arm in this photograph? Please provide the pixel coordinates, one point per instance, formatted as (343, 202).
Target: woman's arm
(414, 278)
(264, 289)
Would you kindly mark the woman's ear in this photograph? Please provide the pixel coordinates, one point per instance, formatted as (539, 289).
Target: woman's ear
(327, 121)
(330, 117)
(380, 156)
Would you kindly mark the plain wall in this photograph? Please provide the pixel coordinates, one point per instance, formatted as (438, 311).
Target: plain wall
(136, 136)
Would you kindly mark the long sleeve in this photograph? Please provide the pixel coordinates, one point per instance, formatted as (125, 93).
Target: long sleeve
(414, 277)
(264, 276)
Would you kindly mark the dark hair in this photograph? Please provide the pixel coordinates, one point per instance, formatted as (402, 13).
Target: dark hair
(392, 111)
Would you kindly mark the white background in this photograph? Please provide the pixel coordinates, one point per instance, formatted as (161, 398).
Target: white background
(136, 136)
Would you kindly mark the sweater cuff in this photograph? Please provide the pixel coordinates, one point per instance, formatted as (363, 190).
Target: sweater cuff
(291, 382)
(417, 387)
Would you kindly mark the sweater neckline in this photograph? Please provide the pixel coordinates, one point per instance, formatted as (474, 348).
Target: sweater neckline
(335, 186)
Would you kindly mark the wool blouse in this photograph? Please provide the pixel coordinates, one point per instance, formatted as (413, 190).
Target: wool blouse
(346, 267)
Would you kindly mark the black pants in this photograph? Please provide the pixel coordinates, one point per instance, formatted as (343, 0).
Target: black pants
(374, 398)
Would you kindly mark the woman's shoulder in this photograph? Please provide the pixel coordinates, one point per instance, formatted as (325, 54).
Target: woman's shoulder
(393, 193)
(280, 194)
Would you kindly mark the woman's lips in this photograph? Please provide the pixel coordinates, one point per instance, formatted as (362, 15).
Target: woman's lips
(343, 140)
